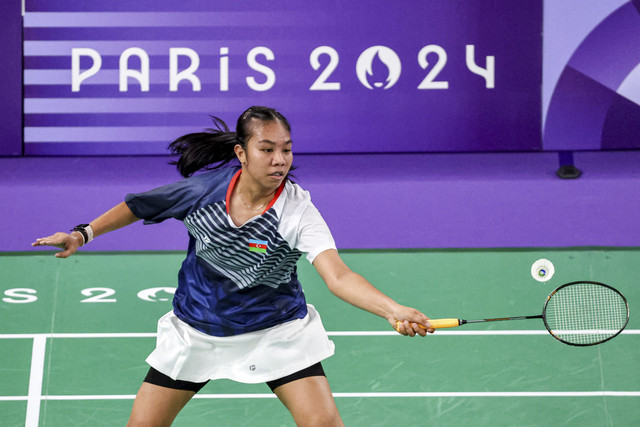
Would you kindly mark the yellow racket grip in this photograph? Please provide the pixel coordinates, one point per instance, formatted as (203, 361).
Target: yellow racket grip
(444, 323)
(436, 324)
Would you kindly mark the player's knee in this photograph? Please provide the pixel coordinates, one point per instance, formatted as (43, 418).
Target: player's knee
(138, 421)
(326, 418)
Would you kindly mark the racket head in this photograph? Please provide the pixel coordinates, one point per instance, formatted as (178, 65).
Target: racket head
(585, 313)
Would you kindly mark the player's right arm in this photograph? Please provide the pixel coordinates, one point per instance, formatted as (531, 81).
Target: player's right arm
(117, 217)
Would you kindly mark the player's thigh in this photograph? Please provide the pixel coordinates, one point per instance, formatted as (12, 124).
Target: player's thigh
(157, 406)
(310, 402)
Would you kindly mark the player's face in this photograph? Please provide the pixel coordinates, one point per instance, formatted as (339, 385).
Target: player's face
(267, 157)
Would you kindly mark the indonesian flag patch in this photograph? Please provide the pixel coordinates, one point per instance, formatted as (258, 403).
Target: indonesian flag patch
(258, 246)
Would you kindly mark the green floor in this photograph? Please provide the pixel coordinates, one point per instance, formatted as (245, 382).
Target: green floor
(501, 374)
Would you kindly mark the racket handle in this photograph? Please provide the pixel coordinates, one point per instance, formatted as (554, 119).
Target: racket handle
(439, 323)
(444, 323)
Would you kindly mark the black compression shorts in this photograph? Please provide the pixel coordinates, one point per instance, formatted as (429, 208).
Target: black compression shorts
(158, 378)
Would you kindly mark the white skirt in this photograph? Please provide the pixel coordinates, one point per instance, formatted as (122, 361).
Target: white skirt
(186, 354)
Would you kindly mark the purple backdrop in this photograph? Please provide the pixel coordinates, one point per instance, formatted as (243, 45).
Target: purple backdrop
(595, 101)
(590, 96)
(370, 201)
(11, 78)
(355, 77)
(404, 200)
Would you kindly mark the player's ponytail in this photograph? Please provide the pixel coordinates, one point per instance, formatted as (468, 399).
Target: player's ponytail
(204, 150)
(215, 148)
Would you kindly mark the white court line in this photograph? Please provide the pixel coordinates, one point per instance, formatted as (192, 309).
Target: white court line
(498, 394)
(35, 381)
(35, 397)
(331, 334)
(605, 393)
(458, 333)
(81, 335)
(445, 394)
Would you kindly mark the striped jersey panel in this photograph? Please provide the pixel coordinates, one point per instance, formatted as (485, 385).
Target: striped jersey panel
(226, 248)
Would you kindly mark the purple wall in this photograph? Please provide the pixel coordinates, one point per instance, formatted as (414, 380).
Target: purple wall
(373, 76)
(11, 78)
(595, 102)
(369, 201)
(385, 93)
(509, 198)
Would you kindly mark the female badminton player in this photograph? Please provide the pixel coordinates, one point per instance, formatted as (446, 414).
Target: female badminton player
(239, 311)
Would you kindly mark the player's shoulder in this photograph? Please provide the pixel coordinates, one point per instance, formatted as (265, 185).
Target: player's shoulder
(212, 178)
(208, 186)
(223, 174)
(296, 194)
(293, 201)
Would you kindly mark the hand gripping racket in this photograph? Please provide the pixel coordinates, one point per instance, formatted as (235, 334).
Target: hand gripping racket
(578, 313)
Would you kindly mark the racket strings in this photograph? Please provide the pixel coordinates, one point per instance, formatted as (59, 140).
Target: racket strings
(586, 313)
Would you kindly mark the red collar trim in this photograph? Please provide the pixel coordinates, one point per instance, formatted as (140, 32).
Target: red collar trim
(275, 197)
(232, 185)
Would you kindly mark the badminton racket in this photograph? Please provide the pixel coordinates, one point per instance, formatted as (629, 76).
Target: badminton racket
(579, 313)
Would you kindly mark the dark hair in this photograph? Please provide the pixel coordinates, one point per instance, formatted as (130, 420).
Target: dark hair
(215, 147)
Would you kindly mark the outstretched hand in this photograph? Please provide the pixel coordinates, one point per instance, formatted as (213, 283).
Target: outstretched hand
(409, 321)
(69, 243)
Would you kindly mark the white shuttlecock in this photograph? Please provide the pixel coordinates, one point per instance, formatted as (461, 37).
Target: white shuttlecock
(542, 270)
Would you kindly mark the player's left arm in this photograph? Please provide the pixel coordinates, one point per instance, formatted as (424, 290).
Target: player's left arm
(117, 217)
(356, 290)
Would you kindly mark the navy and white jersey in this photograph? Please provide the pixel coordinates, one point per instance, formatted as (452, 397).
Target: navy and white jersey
(237, 279)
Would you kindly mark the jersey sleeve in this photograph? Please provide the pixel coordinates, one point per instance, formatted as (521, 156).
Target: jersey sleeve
(314, 236)
(170, 201)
